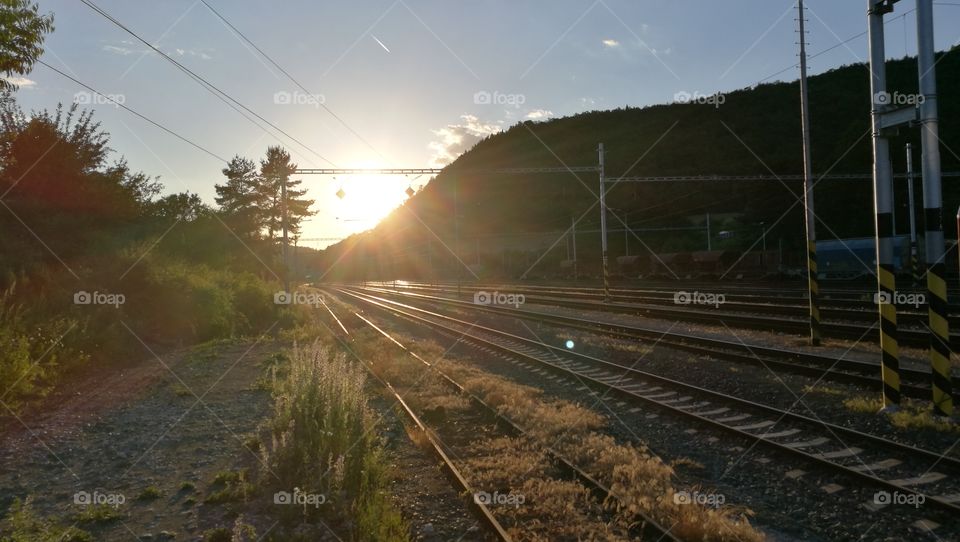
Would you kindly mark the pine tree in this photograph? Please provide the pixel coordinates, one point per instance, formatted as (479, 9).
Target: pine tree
(240, 199)
(275, 170)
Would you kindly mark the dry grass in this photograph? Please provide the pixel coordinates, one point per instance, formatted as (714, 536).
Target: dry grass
(823, 389)
(912, 416)
(557, 509)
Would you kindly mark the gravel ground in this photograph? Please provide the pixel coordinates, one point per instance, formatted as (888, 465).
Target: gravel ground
(427, 500)
(117, 434)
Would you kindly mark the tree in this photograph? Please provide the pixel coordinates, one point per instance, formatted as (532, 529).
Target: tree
(22, 30)
(184, 207)
(276, 170)
(241, 200)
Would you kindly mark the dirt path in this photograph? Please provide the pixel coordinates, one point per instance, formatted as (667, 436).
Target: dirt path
(154, 437)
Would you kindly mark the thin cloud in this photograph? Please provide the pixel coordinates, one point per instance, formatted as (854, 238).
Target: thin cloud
(454, 139)
(610, 43)
(539, 114)
(21, 82)
(120, 50)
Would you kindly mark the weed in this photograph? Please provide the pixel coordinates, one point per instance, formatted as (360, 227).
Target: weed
(149, 493)
(28, 526)
(98, 513)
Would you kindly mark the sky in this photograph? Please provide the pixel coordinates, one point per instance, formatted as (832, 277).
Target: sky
(414, 82)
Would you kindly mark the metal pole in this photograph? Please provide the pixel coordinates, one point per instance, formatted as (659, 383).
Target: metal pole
(603, 228)
(283, 227)
(709, 237)
(914, 267)
(813, 287)
(883, 205)
(933, 214)
(456, 230)
(573, 225)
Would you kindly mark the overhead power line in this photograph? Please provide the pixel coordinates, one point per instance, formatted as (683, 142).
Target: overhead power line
(831, 48)
(144, 117)
(203, 82)
(285, 72)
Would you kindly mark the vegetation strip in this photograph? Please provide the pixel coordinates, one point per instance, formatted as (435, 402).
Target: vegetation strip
(481, 509)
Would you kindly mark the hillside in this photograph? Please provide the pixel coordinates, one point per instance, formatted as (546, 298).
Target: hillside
(755, 131)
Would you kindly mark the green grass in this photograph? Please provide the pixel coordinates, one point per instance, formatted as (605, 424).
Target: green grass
(98, 513)
(324, 441)
(229, 486)
(150, 493)
(26, 525)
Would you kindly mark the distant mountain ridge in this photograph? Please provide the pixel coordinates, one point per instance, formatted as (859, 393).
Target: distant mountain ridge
(754, 131)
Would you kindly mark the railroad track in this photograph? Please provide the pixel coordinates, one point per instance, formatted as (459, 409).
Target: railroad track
(759, 316)
(768, 293)
(643, 526)
(914, 383)
(916, 474)
(481, 511)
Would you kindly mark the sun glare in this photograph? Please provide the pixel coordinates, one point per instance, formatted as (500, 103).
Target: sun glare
(367, 199)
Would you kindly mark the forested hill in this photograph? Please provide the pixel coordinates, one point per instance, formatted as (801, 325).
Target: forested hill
(755, 131)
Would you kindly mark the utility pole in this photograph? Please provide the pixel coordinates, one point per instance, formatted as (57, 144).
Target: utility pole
(456, 229)
(933, 214)
(709, 236)
(603, 227)
(573, 226)
(813, 287)
(283, 227)
(914, 266)
(883, 205)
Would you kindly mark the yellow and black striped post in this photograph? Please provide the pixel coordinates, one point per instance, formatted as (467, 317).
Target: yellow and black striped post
(934, 251)
(814, 289)
(890, 354)
(883, 205)
(939, 326)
